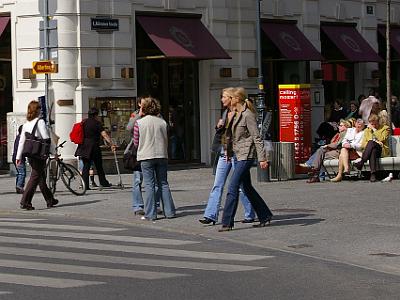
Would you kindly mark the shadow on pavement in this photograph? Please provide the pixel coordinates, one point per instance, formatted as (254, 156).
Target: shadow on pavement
(78, 203)
(301, 222)
(190, 207)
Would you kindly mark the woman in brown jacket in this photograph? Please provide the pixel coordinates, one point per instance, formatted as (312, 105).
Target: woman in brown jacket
(244, 141)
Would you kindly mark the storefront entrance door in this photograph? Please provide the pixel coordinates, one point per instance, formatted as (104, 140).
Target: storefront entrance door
(175, 84)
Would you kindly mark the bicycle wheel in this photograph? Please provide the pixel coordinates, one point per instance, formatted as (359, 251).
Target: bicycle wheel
(51, 176)
(72, 179)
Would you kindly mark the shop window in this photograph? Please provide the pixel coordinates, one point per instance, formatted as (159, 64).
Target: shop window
(114, 113)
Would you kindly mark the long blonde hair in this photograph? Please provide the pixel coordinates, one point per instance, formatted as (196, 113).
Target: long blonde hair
(240, 93)
(229, 91)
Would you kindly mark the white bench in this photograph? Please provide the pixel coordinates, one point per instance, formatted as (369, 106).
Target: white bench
(390, 163)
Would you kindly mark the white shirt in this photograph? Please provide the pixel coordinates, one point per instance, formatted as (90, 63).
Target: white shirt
(353, 138)
(153, 138)
(41, 132)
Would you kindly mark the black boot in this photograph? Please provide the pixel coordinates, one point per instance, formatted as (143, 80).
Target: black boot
(92, 181)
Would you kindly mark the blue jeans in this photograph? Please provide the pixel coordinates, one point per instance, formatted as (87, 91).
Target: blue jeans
(155, 173)
(137, 198)
(241, 177)
(214, 200)
(21, 174)
(311, 159)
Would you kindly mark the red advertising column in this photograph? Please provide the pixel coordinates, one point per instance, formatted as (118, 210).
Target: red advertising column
(295, 119)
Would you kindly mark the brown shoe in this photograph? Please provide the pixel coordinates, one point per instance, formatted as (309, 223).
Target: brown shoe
(373, 178)
(313, 179)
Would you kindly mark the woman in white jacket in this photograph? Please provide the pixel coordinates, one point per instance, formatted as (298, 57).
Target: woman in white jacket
(351, 149)
(38, 175)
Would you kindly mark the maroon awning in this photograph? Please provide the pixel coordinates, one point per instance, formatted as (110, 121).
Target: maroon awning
(3, 24)
(290, 41)
(394, 36)
(350, 42)
(182, 37)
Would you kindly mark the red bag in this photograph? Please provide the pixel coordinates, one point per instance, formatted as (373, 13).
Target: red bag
(76, 135)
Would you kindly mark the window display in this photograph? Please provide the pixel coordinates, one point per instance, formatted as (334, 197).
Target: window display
(114, 113)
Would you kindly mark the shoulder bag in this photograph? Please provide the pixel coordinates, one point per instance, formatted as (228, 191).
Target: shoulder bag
(36, 147)
(130, 158)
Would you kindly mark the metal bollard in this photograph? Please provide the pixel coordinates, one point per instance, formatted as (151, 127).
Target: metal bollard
(283, 164)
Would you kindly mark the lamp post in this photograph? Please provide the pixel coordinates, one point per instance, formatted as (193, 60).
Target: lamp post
(46, 55)
(262, 175)
(388, 70)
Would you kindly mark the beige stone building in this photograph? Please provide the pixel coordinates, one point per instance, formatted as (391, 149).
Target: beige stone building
(184, 52)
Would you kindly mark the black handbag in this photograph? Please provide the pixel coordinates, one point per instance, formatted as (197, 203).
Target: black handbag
(35, 147)
(130, 159)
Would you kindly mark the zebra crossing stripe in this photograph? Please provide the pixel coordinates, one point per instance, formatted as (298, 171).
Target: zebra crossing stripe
(86, 270)
(132, 249)
(128, 260)
(94, 236)
(40, 281)
(59, 226)
(5, 293)
(21, 220)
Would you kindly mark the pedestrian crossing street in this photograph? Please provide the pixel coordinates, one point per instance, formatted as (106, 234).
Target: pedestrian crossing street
(30, 248)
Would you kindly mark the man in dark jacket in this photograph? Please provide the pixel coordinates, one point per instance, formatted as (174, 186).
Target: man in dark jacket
(90, 150)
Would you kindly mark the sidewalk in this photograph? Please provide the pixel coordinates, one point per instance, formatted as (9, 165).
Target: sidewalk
(356, 222)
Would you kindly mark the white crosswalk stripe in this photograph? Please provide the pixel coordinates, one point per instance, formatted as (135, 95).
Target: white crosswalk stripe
(5, 293)
(22, 243)
(222, 267)
(132, 249)
(59, 227)
(20, 220)
(63, 268)
(41, 281)
(104, 237)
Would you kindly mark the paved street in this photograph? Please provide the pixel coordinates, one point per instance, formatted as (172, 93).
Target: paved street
(65, 258)
(327, 241)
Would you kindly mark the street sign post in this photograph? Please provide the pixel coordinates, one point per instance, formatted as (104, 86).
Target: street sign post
(44, 67)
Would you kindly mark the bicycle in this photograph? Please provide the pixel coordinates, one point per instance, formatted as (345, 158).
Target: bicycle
(69, 175)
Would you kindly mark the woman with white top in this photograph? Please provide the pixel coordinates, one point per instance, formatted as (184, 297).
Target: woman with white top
(351, 148)
(38, 175)
(151, 139)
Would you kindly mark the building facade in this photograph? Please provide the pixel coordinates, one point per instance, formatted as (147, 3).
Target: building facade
(183, 52)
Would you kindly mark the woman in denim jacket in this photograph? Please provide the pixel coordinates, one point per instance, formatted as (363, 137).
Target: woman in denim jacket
(244, 142)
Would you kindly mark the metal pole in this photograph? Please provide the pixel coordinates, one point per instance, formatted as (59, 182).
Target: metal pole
(46, 55)
(388, 67)
(262, 175)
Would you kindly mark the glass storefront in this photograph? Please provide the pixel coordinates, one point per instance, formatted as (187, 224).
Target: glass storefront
(338, 83)
(6, 100)
(175, 84)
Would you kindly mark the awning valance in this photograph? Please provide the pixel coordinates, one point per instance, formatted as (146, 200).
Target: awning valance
(179, 37)
(291, 42)
(3, 24)
(394, 37)
(351, 43)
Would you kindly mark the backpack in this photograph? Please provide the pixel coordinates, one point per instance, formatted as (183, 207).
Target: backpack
(76, 135)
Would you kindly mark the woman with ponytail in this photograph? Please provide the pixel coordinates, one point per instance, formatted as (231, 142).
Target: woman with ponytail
(245, 144)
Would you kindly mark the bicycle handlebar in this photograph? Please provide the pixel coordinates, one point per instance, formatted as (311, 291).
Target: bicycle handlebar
(60, 146)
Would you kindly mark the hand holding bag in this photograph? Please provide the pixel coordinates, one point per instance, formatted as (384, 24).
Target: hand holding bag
(130, 158)
(36, 147)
